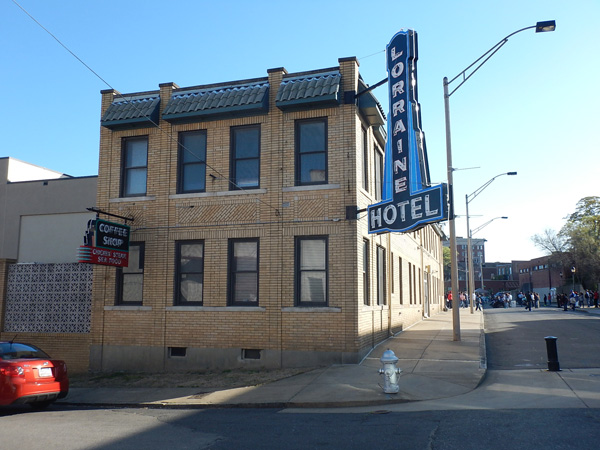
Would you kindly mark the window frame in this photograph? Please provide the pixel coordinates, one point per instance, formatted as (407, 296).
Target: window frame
(298, 153)
(121, 276)
(181, 165)
(233, 160)
(366, 272)
(365, 158)
(178, 301)
(232, 273)
(379, 173)
(381, 276)
(298, 271)
(400, 280)
(126, 170)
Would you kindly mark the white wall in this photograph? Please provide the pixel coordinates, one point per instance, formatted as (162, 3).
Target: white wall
(23, 171)
(52, 238)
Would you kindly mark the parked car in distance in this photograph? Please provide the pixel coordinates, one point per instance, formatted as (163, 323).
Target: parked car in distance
(29, 376)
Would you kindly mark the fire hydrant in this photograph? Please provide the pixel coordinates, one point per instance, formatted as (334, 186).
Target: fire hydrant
(390, 372)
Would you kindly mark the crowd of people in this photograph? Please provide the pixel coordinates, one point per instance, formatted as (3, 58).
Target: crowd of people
(463, 298)
(579, 299)
(529, 300)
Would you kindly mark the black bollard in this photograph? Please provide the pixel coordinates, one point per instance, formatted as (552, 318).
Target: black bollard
(553, 364)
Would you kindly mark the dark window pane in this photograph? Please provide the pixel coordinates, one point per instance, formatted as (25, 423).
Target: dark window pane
(312, 137)
(312, 255)
(192, 258)
(194, 178)
(134, 260)
(312, 287)
(191, 287)
(245, 256)
(137, 153)
(135, 182)
(132, 287)
(246, 142)
(246, 172)
(313, 168)
(193, 147)
(245, 287)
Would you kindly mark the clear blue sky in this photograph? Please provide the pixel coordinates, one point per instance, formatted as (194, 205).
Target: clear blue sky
(532, 108)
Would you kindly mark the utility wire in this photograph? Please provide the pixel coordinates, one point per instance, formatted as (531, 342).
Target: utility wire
(125, 99)
(372, 54)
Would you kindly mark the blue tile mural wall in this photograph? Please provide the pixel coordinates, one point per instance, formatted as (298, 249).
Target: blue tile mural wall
(48, 298)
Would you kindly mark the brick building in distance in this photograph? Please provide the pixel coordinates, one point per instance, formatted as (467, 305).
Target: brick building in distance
(246, 249)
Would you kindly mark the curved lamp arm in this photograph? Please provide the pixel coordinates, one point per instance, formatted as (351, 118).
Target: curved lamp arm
(540, 27)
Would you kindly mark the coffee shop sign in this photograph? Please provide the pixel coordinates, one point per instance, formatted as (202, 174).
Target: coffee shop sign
(105, 243)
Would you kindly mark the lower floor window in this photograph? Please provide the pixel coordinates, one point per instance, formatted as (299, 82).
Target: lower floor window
(190, 273)
(311, 271)
(243, 272)
(130, 279)
(381, 280)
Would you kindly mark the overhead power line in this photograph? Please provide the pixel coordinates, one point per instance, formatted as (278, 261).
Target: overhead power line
(169, 135)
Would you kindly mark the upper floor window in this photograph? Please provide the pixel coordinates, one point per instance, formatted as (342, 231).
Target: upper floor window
(378, 174)
(130, 279)
(189, 273)
(192, 162)
(365, 158)
(311, 152)
(311, 271)
(243, 272)
(134, 166)
(245, 157)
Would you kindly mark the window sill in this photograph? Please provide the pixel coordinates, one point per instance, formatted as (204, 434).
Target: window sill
(312, 187)
(374, 307)
(127, 308)
(218, 193)
(132, 199)
(318, 309)
(217, 308)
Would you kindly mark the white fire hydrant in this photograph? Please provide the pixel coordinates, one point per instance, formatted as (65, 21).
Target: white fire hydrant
(390, 372)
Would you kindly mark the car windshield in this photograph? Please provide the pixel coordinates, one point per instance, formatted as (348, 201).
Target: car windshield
(15, 350)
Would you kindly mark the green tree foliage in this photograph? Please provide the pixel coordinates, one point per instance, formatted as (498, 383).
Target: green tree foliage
(447, 264)
(577, 244)
(582, 232)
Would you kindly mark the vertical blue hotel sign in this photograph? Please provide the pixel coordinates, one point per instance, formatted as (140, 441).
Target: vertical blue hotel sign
(409, 202)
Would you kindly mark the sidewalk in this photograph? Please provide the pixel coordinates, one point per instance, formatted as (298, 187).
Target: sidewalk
(433, 366)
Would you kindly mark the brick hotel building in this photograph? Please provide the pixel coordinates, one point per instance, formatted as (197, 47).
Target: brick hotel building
(249, 246)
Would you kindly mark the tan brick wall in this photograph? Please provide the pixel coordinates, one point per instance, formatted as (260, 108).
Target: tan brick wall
(73, 348)
(275, 214)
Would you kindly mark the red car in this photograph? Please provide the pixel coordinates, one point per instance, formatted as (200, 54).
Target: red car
(28, 375)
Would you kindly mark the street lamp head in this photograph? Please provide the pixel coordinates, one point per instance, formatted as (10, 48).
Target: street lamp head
(511, 173)
(504, 217)
(546, 26)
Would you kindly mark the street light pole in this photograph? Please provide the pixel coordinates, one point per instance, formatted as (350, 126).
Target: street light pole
(470, 251)
(540, 27)
(451, 224)
(468, 199)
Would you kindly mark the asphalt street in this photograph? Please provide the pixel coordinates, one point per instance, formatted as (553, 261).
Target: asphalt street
(519, 405)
